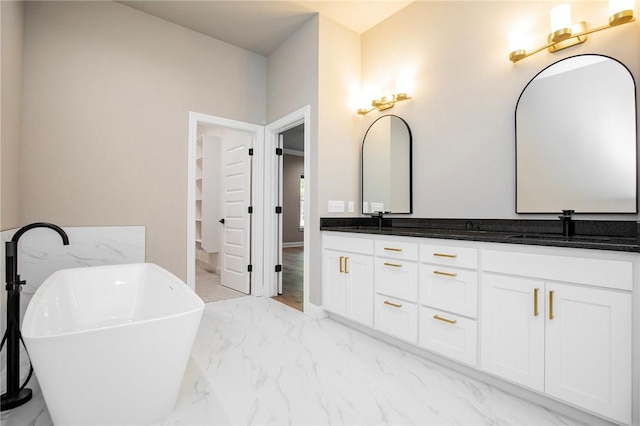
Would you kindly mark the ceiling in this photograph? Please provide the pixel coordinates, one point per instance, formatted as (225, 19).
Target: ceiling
(261, 26)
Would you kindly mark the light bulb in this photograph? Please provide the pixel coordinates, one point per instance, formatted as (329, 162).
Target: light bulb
(561, 22)
(620, 11)
(517, 40)
(616, 6)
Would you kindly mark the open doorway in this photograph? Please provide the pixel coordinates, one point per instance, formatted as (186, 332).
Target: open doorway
(292, 190)
(220, 206)
(273, 250)
(223, 193)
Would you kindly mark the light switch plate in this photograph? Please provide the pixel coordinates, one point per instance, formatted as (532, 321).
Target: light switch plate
(336, 206)
(351, 207)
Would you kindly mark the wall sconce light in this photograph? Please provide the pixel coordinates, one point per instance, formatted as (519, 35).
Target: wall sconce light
(565, 34)
(384, 102)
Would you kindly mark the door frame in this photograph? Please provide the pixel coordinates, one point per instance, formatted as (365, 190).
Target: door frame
(255, 237)
(272, 132)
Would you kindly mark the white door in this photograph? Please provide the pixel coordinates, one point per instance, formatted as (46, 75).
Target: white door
(588, 347)
(279, 159)
(334, 293)
(236, 198)
(512, 325)
(359, 271)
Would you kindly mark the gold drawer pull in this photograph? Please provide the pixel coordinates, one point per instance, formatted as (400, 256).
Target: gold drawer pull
(341, 260)
(395, 305)
(551, 305)
(452, 256)
(446, 274)
(439, 318)
(535, 302)
(346, 264)
(395, 265)
(392, 249)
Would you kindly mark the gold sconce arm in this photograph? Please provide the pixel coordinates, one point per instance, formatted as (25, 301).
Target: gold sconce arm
(384, 103)
(576, 34)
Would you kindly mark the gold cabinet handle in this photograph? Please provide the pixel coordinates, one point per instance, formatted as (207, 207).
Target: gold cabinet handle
(439, 318)
(446, 274)
(550, 304)
(395, 305)
(341, 260)
(535, 302)
(395, 265)
(452, 256)
(392, 249)
(346, 264)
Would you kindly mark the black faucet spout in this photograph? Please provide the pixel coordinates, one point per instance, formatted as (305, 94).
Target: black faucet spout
(11, 253)
(568, 225)
(379, 216)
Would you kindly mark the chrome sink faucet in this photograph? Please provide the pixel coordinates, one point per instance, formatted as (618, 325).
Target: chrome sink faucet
(568, 225)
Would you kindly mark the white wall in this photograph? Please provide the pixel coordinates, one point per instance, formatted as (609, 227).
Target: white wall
(339, 138)
(107, 92)
(293, 84)
(465, 92)
(11, 55)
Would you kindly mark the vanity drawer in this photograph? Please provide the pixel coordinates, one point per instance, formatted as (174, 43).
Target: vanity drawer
(449, 335)
(350, 244)
(463, 257)
(397, 279)
(397, 250)
(450, 289)
(396, 317)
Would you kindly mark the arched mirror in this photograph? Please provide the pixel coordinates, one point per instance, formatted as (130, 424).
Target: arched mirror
(386, 166)
(576, 139)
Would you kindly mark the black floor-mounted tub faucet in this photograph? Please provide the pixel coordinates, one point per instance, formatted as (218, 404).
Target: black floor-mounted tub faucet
(17, 395)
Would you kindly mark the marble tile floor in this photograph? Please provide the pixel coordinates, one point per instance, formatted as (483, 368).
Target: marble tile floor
(256, 361)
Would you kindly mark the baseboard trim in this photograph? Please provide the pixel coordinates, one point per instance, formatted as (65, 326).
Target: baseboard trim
(293, 244)
(314, 311)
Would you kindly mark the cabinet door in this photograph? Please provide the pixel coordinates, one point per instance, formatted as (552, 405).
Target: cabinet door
(358, 270)
(512, 338)
(588, 349)
(334, 289)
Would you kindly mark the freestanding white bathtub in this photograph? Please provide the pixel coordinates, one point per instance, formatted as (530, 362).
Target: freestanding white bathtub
(110, 344)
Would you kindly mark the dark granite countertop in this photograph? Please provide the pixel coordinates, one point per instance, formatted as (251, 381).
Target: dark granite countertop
(589, 234)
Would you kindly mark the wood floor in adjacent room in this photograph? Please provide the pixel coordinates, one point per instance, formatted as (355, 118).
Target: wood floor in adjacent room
(292, 277)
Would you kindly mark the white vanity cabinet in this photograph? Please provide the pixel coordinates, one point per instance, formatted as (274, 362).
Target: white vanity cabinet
(396, 287)
(570, 339)
(347, 265)
(554, 320)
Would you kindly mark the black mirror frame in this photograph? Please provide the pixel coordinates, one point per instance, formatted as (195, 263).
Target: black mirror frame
(410, 165)
(515, 121)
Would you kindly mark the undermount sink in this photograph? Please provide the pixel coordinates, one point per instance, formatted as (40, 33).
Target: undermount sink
(577, 238)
